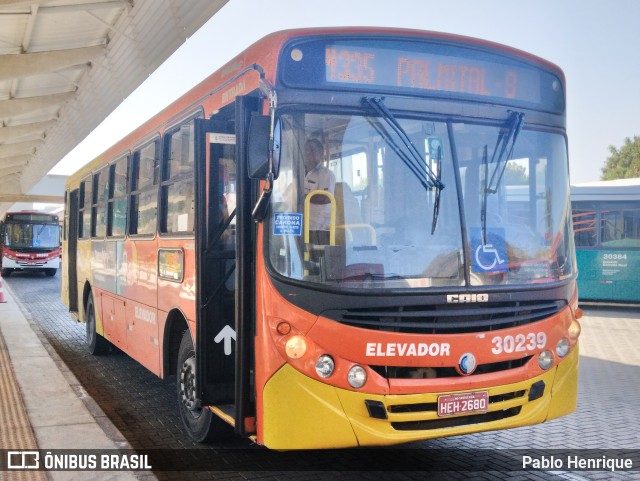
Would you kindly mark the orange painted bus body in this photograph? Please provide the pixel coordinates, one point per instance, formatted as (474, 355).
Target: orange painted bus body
(134, 306)
(349, 346)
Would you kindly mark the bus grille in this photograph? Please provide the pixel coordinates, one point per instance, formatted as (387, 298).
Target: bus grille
(30, 264)
(449, 318)
(429, 410)
(457, 421)
(398, 372)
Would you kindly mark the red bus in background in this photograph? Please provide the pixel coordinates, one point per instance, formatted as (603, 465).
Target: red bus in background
(417, 281)
(30, 240)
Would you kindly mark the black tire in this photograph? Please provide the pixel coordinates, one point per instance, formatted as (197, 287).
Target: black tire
(6, 272)
(200, 424)
(96, 344)
(50, 272)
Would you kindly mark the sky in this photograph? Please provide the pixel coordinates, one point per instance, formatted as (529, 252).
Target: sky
(595, 43)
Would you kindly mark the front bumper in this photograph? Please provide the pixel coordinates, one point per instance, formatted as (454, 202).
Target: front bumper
(302, 413)
(53, 263)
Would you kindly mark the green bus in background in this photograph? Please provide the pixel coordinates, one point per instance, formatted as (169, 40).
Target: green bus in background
(606, 224)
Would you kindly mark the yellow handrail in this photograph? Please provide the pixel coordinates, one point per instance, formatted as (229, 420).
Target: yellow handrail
(332, 218)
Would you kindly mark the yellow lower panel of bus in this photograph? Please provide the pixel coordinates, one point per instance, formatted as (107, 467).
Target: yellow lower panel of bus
(564, 396)
(302, 413)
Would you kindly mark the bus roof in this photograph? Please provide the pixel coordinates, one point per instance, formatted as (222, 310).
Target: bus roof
(407, 32)
(265, 53)
(620, 189)
(27, 211)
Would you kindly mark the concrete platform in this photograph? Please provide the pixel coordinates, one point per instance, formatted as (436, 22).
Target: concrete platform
(42, 404)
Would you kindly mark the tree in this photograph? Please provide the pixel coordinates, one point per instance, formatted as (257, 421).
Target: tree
(515, 174)
(623, 163)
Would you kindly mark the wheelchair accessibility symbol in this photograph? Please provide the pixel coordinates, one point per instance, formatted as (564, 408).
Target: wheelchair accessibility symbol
(492, 256)
(487, 257)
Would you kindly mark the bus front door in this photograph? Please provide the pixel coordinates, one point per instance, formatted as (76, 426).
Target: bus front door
(216, 261)
(71, 254)
(225, 236)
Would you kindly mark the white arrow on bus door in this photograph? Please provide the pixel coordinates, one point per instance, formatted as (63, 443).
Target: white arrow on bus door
(227, 333)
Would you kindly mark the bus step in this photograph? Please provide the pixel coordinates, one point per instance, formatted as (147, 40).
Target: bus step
(227, 412)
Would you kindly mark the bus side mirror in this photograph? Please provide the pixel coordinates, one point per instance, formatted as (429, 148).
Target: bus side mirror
(258, 150)
(263, 160)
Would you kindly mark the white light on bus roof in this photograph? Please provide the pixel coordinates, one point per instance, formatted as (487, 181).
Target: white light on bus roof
(296, 54)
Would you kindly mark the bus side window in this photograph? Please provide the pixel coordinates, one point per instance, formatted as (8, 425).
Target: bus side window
(99, 209)
(84, 213)
(584, 226)
(117, 211)
(620, 226)
(177, 187)
(144, 190)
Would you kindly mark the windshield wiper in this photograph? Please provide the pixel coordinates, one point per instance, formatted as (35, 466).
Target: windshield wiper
(410, 154)
(506, 137)
(514, 126)
(436, 201)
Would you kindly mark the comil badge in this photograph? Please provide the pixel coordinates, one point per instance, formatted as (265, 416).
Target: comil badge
(467, 364)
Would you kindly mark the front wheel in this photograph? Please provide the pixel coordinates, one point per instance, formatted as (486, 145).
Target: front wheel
(96, 344)
(200, 423)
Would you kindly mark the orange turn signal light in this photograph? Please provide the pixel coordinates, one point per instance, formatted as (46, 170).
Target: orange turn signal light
(283, 328)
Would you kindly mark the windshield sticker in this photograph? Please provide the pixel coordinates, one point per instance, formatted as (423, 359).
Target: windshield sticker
(287, 223)
(492, 256)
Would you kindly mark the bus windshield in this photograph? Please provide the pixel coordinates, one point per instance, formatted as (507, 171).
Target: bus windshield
(27, 235)
(377, 227)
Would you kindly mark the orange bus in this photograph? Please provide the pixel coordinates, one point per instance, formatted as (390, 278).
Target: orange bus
(343, 237)
(30, 240)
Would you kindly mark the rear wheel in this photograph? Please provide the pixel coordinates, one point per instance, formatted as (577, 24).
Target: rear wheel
(200, 423)
(96, 344)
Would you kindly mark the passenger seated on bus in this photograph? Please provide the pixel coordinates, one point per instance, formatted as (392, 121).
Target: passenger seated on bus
(318, 177)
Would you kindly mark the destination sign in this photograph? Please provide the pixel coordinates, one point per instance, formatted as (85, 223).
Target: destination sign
(32, 217)
(393, 68)
(453, 70)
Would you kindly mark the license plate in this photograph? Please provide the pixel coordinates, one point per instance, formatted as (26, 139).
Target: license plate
(463, 403)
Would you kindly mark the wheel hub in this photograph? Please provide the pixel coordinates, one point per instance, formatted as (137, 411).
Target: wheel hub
(188, 385)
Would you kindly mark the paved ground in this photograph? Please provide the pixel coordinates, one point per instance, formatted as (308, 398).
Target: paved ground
(142, 408)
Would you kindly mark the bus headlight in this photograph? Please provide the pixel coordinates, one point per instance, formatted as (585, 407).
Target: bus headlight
(357, 376)
(545, 360)
(325, 366)
(295, 347)
(562, 348)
